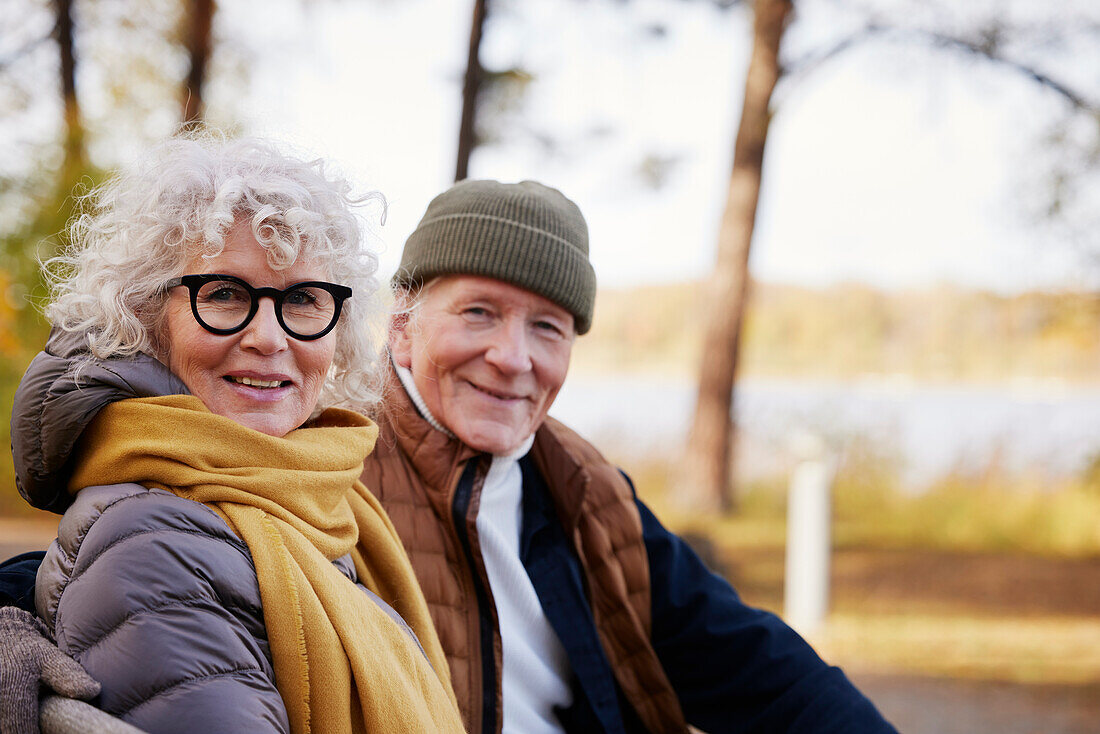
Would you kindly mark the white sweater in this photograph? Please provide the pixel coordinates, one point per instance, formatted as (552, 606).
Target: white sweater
(536, 672)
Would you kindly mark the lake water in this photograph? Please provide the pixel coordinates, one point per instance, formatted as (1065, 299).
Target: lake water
(1050, 429)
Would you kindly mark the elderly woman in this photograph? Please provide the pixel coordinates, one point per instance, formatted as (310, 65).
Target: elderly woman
(213, 567)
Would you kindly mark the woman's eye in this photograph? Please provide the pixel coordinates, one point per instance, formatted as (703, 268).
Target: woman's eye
(300, 298)
(224, 294)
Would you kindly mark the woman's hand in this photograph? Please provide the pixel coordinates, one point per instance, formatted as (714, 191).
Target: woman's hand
(28, 660)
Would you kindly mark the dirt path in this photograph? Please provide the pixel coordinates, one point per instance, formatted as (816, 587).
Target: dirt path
(945, 706)
(17, 536)
(875, 583)
(878, 581)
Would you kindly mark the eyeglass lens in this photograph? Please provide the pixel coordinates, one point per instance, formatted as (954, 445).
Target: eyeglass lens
(223, 304)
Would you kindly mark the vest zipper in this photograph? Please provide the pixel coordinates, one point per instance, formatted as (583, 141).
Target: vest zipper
(463, 495)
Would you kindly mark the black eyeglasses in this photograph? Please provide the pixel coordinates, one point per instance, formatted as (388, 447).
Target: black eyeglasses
(224, 304)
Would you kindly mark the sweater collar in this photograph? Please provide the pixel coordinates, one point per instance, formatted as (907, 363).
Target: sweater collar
(407, 381)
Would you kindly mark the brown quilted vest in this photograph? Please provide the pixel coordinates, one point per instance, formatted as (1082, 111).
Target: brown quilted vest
(415, 469)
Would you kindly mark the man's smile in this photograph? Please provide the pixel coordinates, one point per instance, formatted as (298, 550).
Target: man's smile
(498, 395)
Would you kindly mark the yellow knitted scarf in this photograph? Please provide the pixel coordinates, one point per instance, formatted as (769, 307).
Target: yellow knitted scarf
(342, 665)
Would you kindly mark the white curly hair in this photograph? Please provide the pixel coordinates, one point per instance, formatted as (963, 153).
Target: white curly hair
(141, 228)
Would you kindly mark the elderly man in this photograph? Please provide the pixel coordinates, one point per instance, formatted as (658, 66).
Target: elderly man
(561, 602)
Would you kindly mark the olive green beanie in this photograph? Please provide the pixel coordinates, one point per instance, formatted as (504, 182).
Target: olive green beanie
(525, 234)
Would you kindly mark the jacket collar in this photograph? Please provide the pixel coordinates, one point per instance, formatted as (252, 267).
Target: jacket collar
(563, 469)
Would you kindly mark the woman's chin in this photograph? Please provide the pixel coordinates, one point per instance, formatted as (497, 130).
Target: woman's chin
(272, 424)
(273, 415)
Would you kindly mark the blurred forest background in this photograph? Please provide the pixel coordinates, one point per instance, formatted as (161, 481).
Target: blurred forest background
(874, 223)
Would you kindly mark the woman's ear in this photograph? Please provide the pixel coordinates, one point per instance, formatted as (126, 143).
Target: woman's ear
(156, 325)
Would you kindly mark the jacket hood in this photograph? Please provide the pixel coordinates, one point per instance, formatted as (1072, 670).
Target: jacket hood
(52, 408)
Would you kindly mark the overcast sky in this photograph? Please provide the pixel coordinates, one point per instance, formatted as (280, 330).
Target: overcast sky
(891, 164)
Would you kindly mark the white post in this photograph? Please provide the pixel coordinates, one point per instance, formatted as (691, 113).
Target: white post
(806, 581)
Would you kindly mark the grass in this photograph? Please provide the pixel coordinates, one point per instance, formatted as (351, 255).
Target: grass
(993, 511)
(977, 578)
(1059, 521)
(1020, 650)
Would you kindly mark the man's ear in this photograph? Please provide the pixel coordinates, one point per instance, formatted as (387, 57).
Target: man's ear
(400, 338)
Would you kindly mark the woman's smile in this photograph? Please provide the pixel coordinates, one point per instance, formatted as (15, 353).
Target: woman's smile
(263, 389)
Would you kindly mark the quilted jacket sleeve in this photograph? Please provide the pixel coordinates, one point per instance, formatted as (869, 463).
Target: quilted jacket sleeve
(158, 600)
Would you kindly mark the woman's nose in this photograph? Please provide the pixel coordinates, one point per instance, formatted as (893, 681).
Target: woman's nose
(264, 333)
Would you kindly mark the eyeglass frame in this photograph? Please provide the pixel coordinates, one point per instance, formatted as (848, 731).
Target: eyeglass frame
(193, 283)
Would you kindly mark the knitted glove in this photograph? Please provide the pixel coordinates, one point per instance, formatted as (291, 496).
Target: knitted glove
(28, 659)
(69, 716)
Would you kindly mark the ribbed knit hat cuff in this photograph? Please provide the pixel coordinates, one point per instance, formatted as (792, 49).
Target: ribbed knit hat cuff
(482, 244)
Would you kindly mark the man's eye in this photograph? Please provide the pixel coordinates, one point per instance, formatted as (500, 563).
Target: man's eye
(549, 327)
(476, 311)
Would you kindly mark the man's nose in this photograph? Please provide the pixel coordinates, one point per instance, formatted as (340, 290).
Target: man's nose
(510, 352)
(264, 333)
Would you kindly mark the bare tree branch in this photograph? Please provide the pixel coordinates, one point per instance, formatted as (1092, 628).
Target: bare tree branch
(991, 52)
(811, 61)
(988, 47)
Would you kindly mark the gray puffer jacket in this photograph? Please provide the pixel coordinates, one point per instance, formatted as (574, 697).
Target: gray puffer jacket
(158, 600)
(152, 593)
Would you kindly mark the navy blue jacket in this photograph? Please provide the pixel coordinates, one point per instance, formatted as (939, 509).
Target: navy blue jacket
(734, 668)
(17, 577)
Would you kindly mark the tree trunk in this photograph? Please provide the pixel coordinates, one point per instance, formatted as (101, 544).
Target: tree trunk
(467, 135)
(73, 162)
(198, 41)
(706, 475)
